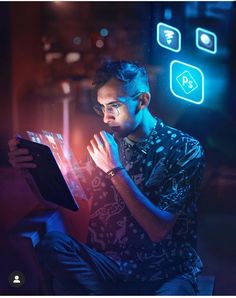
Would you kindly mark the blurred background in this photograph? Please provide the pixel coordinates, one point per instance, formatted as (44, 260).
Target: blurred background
(49, 52)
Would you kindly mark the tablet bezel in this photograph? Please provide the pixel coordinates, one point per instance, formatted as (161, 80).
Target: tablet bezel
(47, 175)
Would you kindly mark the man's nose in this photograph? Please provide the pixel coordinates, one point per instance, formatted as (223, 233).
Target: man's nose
(107, 117)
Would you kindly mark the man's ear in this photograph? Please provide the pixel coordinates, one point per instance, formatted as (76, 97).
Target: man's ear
(144, 100)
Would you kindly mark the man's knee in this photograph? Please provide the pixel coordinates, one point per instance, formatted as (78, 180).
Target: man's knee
(51, 244)
(50, 239)
(177, 287)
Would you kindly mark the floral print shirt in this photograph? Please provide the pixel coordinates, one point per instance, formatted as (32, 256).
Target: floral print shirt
(167, 168)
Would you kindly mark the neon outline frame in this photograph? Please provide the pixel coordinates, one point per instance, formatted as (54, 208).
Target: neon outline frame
(209, 33)
(202, 76)
(174, 28)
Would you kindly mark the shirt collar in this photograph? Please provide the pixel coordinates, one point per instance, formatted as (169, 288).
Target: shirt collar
(146, 144)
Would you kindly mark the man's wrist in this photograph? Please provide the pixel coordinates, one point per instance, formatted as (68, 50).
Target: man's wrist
(114, 171)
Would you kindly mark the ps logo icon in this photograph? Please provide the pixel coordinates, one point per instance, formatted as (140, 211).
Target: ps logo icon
(16, 279)
(168, 37)
(187, 82)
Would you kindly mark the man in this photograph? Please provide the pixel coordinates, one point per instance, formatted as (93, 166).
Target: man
(144, 184)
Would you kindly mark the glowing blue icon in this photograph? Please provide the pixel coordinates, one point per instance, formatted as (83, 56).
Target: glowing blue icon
(168, 37)
(187, 82)
(104, 32)
(206, 40)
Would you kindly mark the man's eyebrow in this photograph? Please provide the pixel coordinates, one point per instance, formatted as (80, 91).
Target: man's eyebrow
(109, 103)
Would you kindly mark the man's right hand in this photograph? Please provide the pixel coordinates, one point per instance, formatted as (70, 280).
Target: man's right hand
(20, 158)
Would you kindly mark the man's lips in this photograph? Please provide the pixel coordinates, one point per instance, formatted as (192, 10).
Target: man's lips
(115, 128)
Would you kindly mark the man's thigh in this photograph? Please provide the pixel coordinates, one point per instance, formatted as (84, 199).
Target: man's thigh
(75, 266)
(176, 287)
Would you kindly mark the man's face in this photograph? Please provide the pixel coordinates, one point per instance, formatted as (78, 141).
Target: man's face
(119, 107)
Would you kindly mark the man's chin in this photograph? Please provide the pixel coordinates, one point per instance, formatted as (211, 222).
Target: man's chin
(119, 134)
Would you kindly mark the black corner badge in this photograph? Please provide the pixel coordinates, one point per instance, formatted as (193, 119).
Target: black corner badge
(16, 279)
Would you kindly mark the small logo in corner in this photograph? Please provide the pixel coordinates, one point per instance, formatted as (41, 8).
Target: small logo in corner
(16, 279)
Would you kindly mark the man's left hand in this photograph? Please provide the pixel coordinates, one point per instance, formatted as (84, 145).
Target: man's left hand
(104, 151)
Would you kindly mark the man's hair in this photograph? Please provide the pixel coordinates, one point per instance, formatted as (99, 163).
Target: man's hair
(130, 73)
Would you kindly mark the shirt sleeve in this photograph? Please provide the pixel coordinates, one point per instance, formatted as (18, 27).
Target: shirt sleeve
(181, 185)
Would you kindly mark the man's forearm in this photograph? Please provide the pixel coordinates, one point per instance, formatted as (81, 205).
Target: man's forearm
(156, 222)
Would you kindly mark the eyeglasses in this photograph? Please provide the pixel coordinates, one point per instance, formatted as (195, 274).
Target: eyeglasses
(112, 108)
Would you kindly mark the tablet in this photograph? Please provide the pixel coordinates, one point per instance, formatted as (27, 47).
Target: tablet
(48, 176)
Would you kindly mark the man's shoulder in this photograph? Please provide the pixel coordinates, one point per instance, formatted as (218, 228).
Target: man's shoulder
(176, 137)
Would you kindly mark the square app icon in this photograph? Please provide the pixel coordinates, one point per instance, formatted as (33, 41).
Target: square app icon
(168, 37)
(187, 82)
(206, 40)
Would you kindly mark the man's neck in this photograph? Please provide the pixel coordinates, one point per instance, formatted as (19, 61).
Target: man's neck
(144, 129)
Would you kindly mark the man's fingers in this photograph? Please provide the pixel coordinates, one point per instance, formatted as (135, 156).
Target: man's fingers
(26, 165)
(22, 158)
(99, 141)
(21, 161)
(94, 145)
(12, 143)
(103, 134)
(90, 150)
(17, 152)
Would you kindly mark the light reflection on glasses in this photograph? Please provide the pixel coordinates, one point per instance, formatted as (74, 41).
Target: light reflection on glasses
(112, 108)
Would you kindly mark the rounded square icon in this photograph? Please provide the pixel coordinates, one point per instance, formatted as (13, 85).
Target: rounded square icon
(168, 37)
(187, 82)
(206, 40)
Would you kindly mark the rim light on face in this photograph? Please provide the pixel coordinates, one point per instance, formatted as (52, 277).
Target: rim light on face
(112, 108)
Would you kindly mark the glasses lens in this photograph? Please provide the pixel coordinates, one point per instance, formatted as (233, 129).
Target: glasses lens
(110, 109)
(98, 110)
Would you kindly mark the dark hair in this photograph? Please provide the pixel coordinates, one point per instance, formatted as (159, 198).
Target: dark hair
(124, 71)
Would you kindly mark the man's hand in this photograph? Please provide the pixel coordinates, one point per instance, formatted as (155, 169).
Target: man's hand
(104, 151)
(19, 158)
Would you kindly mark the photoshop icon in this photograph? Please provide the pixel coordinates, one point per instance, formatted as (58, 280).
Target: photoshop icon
(187, 82)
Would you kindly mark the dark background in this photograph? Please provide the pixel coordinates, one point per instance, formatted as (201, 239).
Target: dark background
(37, 40)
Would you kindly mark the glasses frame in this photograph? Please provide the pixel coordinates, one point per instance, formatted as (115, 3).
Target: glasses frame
(98, 108)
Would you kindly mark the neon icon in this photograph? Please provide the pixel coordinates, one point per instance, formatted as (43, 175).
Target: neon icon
(206, 40)
(187, 82)
(168, 37)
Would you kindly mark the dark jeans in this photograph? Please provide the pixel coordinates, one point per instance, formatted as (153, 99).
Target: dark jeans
(76, 269)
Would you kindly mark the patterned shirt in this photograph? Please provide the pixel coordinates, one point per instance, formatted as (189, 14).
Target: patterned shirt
(167, 168)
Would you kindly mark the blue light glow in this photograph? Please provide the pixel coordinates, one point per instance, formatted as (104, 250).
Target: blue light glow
(206, 40)
(168, 37)
(187, 82)
(168, 13)
(104, 32)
